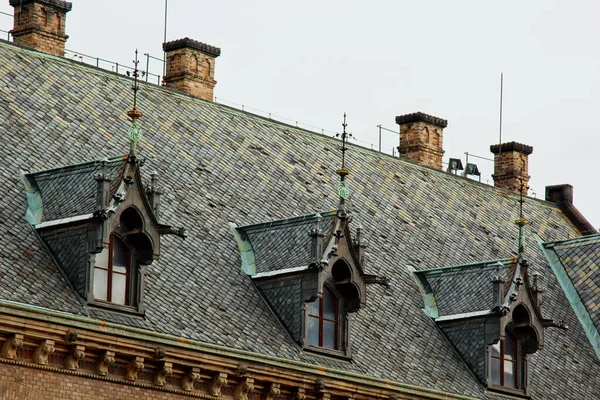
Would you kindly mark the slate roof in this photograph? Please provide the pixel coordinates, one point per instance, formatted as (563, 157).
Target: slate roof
(221, 165)
(577, 266)
(71, 190)
(284, 244)
(465, 288)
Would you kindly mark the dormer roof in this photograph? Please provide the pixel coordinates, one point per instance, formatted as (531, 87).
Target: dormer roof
(576, 264)
(68, 191)
(282, 244)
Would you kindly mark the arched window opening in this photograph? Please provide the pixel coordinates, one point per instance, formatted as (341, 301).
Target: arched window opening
(323, 319)
(131, 221)
(504, 363)
(112, 273)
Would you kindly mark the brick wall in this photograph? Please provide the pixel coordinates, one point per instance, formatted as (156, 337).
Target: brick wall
(24, 383)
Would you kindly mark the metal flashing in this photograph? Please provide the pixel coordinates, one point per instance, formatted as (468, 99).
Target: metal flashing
(63, 221)
(279, 272)
(246, 251)
(455, 317)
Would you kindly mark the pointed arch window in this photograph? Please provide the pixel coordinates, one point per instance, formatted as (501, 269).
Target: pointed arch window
(323, 321)
(112, 272)
(505, 361)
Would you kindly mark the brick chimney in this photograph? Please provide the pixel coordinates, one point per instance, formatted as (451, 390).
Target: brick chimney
(191, 67)
(421, 139)
(511, 165)
(41, 24)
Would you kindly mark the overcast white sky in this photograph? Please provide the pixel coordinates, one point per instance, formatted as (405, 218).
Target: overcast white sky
(310, 61)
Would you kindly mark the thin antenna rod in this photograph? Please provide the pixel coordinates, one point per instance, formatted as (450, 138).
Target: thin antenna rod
(501, 89)
(165, 41)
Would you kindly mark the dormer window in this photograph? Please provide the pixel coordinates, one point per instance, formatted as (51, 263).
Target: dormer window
(504, 362)
(323, 321)
(112, 273)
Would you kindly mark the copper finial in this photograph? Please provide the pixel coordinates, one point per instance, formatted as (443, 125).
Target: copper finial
(135, 133)
(343, 189)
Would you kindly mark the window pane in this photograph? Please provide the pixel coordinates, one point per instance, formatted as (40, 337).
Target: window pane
(102, 259)
(495, 373)
(314, 307)
(329, 334)
(509, 373)
(120, 256)
(509, 347)
(313, 331)
(119, 282)
(495, 350)
(100, 284)
(329, 305)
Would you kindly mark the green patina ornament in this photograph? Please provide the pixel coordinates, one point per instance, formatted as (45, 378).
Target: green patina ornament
(344, 190)
(135, 133)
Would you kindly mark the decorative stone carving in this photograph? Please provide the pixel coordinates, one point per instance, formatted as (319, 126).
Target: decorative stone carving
(190, 378)
(41, 353)
(159, 353)
(242, 369)
(160, 376)
(76, 353)
(134, 366)
(106, 359)
(10, 347)
(218, 383)
(320, 385)
(243, 389)
(274, 391)
(71, 336)
(300, 394)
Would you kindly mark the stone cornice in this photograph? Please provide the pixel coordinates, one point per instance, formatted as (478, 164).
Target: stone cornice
(421, 117)
(63, 5)
(44, 325)
(511, 146)
(192, 44)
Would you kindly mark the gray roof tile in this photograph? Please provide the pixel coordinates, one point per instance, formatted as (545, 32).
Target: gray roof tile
(218, 165)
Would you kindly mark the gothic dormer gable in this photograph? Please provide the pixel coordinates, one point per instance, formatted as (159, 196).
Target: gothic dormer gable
(100, 224)
(491, 313)
(310, 270)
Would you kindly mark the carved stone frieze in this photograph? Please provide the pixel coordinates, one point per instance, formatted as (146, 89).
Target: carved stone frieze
(243, 389)
(41, 353)
(274, 391)
(218, 383)
(10, 347)
(164, 370)
(300, 394)
(106, 359)
(133, 368)
(76, 353)
(190, 378)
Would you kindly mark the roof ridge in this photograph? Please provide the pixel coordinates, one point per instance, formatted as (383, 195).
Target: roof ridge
(75, 166)
(572, 241)
(281, 222)
(460, 267)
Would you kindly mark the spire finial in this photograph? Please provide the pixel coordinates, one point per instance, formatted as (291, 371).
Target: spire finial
(343, 189)
(521, 222)
(135, 133)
